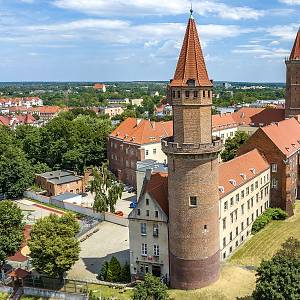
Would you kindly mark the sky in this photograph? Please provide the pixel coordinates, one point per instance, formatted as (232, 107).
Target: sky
(126, 40)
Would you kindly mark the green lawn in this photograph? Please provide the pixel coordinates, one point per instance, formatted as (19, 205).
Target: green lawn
(3, 296)
(265, 243)
(106, 291)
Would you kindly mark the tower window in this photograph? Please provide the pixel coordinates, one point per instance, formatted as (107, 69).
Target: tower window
(187, 94)
(203, 94)
(193, 201)
(195, 94)
(178, 94)
(174, 94)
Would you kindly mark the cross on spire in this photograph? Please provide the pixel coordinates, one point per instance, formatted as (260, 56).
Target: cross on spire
(191, 10)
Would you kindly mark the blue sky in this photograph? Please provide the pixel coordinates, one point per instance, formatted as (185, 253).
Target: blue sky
(112, 40)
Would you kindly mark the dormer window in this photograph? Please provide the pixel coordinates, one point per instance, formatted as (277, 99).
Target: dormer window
(221, 189)
(232, 181)
(243, 176)
(191, 82)
(253, 170)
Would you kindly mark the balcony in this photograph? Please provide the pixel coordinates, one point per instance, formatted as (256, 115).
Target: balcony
(170, 147)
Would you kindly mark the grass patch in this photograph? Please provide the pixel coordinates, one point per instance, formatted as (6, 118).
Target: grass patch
(234, 283)
(78, 215)
(106, 291)
(4, 296)
(264, 244)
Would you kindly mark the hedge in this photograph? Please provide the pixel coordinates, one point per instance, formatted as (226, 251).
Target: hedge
(269, 215)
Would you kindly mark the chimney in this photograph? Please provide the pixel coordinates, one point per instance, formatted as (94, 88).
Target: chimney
(148, 174)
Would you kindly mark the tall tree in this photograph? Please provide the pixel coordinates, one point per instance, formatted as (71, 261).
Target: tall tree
(152, 288)
(233, 144)
(53, 245)
(279, 278)
(11, 229)
(106, 189)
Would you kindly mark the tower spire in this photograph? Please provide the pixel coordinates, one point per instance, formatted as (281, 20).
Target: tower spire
(191, 10)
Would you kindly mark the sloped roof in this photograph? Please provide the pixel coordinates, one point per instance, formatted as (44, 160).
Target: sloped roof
(257, 116)
(295, 54)
(191, 64)
(221, 121)
(4, 121)
(285, 135)
(244, 164)
(157, 188)
(140, 131)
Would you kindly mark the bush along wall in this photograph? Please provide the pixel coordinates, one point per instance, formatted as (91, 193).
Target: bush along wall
(269, 215)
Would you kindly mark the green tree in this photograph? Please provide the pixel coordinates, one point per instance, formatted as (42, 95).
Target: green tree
(11, 229)
(16, 172)
(103, 272)
(125, 273)
(151, 289)
(114, 270)
(53, 245)
(233, 144)
(106, 189)
(279, 278)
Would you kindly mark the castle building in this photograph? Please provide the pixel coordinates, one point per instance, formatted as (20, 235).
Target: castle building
(192, 171)
(243, 195)
(292, 101)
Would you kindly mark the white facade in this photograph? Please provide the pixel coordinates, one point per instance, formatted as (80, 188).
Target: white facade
(148, 236)
(239, 209)
(154, 151)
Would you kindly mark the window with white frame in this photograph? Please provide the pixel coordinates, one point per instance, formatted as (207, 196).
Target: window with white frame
(155, 230)
(156, 250)
(274, 168)
(144, 250)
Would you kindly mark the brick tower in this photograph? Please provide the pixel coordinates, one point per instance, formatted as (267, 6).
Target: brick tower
(292, 101)
(193, 172)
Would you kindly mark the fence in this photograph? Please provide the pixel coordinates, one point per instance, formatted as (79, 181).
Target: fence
(109, 217)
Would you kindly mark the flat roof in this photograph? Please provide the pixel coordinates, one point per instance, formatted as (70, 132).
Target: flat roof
(64, 179)
(65, 196)
(56, 173)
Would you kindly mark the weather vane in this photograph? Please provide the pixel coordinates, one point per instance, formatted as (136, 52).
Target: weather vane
(191, 10)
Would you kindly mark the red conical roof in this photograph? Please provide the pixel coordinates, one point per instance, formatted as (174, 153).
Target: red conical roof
(296, 49)
(191, 64)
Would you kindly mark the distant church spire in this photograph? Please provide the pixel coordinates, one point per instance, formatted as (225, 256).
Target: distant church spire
(295, 54)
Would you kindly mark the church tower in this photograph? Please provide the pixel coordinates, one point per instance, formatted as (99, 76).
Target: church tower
(193, 171)
(292, 99)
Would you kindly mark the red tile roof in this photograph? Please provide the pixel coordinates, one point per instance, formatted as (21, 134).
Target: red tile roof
(48, 109)
(240, 169)
(191, 64)
(157, 188)
(140, 131)
(258, 116)
(4, 121)
(248, 116)
(295, 54)
(285, 135)
(99, 86)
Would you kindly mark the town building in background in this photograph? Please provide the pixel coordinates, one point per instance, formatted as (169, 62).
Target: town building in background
(60, 182)
(100, 87)
(135, 140)
(111, 110)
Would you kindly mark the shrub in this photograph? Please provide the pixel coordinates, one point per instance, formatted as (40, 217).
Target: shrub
(269, 215)
(125, 273)
(103, 273)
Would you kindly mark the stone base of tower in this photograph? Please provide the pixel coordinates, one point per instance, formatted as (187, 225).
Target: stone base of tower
(194, 274)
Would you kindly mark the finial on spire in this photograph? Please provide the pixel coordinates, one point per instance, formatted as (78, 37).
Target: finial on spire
(191, 10)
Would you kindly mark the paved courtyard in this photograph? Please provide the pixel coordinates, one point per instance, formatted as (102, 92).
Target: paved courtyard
(110, 240)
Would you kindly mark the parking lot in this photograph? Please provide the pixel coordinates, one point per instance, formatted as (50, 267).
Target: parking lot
(110, 240)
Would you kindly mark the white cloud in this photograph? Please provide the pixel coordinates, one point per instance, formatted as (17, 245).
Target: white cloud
(260, 51)
(158, 7)
(290, 2)
(283, 32)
